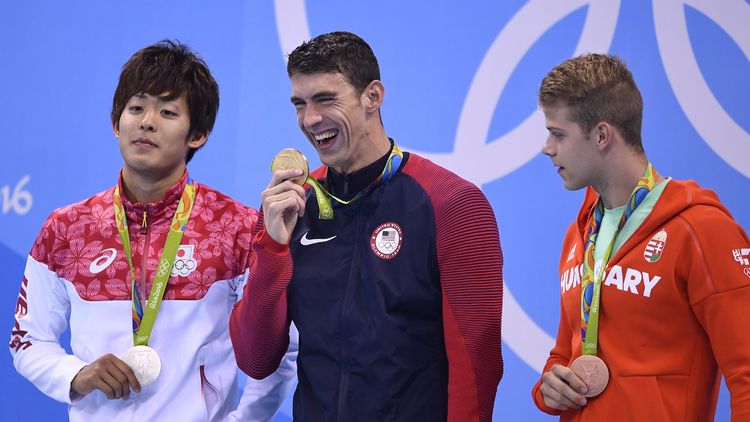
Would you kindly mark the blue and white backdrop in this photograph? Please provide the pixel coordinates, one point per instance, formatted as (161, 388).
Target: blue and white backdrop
(461, 81)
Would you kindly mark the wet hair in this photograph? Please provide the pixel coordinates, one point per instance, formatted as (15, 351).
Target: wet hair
(595, 88)
(169, 67)
(341, 52)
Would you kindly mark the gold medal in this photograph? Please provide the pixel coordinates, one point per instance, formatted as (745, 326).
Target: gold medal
(145, 363)
(290, 158)
(592, 371)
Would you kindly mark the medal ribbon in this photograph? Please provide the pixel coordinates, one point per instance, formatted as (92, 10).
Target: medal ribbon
(143, 322)
(591, 284)
(325, 208)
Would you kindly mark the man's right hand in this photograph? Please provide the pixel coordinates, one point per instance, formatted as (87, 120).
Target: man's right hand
(110, 375)
(561, 387)
(283, 203)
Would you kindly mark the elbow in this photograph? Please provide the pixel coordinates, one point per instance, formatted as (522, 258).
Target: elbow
(253, 370)
(258, 374)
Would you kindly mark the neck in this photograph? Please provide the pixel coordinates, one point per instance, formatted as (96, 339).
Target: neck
(141, 188)
(620, 179)
(374, 145)
(347, 186)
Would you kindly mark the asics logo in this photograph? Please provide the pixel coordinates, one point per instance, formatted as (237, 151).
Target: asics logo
(103, 261)
(306, 242)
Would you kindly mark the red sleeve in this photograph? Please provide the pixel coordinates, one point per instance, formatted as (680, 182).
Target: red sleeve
(560, 354)
(718, 270)
(470, 261)
(562, 351)
(259, 326)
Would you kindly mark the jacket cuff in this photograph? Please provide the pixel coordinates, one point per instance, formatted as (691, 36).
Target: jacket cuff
(265, 241)
(66, 370)
(536, 394)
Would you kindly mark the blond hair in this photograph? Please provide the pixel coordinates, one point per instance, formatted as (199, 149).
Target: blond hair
(595, 88)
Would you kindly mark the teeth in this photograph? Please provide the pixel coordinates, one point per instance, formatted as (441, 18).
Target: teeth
(325, 135)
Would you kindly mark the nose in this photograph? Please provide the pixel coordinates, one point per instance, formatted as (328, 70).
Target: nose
(310, 117)
(547, 147)
(147, 121)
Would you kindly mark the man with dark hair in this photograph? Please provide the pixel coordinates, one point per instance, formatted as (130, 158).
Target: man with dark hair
(389, 265)
(110, 264)
(654, 272)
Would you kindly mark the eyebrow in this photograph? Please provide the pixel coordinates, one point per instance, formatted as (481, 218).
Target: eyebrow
(317, 96)
(161, 98)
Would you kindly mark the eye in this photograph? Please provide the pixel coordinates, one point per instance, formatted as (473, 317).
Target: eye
(135, 108)
(299, 105)
(168, 113)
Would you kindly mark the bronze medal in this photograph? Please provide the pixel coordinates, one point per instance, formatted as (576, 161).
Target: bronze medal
(592, 371)
(290, 158)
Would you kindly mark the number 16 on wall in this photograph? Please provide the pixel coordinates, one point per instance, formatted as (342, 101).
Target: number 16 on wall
(20, 200)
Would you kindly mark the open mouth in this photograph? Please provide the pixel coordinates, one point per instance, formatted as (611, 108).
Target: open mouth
(325, 138)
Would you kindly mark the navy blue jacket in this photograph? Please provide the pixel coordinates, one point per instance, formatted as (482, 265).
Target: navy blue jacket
(397, 300)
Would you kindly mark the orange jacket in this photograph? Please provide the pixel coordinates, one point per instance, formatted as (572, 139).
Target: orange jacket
(674, 313)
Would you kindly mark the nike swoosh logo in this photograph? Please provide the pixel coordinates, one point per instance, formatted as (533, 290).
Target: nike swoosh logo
(306, 242)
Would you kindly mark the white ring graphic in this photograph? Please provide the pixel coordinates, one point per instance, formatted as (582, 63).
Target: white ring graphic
(722, 134)
(475, 159)
(291, 24)
(481, 161)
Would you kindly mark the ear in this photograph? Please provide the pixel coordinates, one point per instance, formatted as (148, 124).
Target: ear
(197, 140)
(604, 134)
(116, 129)
(373, 95)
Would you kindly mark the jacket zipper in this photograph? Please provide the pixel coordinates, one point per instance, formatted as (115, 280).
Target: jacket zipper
(344, 379)
(144, 223)
(144, 258)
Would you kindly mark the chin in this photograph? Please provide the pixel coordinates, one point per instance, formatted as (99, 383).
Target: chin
(569, 185)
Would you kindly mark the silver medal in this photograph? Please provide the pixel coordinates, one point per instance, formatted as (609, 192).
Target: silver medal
(145, 362)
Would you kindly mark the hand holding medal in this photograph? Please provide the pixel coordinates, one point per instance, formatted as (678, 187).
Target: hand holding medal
(283, 203)
(290, 158)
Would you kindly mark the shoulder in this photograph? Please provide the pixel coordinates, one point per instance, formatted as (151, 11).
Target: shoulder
(208, 198)
(69, 222)
(99, 205)
(700, 207)
(442, 185)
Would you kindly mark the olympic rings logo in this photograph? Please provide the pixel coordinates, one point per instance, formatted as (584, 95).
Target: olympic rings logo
(183, 265)
(163, 268)
(389, 246)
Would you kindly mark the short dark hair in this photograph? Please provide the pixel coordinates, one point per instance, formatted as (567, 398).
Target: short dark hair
(341, 52)
(170, 67)
(596, 87)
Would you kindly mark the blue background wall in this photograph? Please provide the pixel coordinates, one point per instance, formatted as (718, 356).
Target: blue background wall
(461, 81)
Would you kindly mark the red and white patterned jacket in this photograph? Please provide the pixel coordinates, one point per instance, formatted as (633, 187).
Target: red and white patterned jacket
(77, 274)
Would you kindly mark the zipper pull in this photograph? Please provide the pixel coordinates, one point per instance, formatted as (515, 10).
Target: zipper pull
(144, 227)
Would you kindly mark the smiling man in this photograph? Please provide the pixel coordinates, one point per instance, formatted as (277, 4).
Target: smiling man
(156, 244)
(389, 265)
(653, 272)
